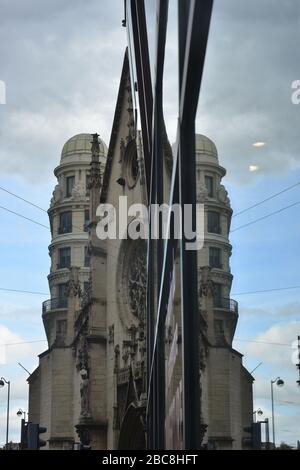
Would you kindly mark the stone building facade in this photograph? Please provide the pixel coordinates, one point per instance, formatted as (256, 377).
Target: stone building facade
(90, 385)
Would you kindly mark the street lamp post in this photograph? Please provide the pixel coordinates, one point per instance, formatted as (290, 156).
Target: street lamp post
(258, 412)
(279, 382)
(3, 381)
(20, 413)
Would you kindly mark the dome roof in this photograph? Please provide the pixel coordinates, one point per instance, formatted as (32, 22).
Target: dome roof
(80, 145)
(206, 147)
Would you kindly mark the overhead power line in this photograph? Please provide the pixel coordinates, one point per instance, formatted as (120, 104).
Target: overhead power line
(231, 231)
(23, 291)
(261, 342)
(265, 216)
(25, 342)
(236, 339)
(22, 199)
(266, 290)
(234, 294)
(265, 200)
(23, 217)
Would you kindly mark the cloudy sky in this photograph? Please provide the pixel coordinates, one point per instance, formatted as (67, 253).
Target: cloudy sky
(61, 63)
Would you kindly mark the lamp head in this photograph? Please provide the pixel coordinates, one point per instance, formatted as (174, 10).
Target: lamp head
(2, 383)
(20, 413)
(121, 181)
(280, 383)
(260, 412)
(83, 373)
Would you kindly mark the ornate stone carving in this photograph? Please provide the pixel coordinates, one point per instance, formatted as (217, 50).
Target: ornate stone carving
(82, 354)
(57, 195)
(137, 279)
(95, 175)
(223, 195)
(122, 150)
(78, 192)
(85, 393)
(84, 435)
(111, 329)
(73, 288)
(130, 122)
(206, 284)
(117, 358)
(201, 192)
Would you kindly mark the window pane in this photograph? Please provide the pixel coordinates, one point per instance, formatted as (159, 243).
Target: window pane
(217, 294)
(64, 258)
(65, 225)
(70, 185)
(215, 257)
(87, 183)
(86, 220)
(209, 183)
(213, 222)
(87, 257)
(62, 297)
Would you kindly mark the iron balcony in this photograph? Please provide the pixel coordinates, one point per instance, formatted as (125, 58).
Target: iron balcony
(54, 304)
(227, 304)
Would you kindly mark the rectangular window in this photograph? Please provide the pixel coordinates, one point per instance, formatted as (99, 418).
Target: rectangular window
(215, 257)
(209, 184)
(62, 295)
(217, 294)
(86, 220)
(87, 183)
(64, 258)
(213, 222)
(65, 222)
(70, 183)
(61, 328)
(87, 257)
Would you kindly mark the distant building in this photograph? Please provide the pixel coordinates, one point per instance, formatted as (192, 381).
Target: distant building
(91, 381)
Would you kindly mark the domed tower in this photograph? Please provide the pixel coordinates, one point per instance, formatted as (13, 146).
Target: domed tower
(214, 257)
(69, 219)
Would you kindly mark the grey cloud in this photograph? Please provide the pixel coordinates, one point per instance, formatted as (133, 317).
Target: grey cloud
(288, 310)
(252, 60)
(62, 61)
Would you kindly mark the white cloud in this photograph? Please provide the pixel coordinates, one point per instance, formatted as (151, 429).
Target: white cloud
(15, 348)
(280, 353)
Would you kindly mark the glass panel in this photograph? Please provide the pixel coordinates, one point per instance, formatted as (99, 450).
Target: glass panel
(65, 225)
(170, 83)
(64, 258)
(87, 257)
(217, 294)
(213, 222)
(150, 10)
(70, 182)
(209, 184)
(215, 257)
(87, 182)
(62, 297)
(86, 219)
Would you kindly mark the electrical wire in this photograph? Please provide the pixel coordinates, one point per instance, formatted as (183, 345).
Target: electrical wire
(22, 291)
(23, 217)
(265, 216)
(265, 200)
(22, 199)
(266, 290)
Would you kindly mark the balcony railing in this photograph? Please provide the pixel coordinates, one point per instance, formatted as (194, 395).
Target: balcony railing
(64, 229)
(63, 265)
(216, 265)
(226, 304)
(53, 304)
